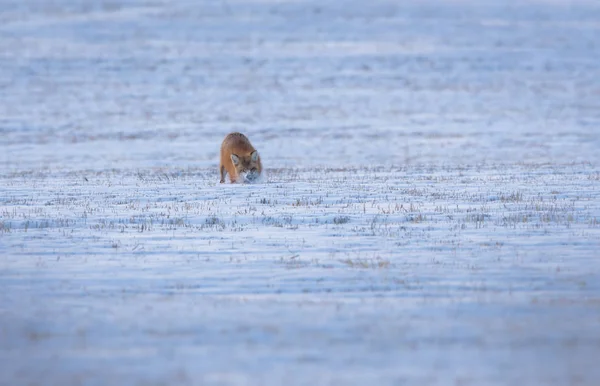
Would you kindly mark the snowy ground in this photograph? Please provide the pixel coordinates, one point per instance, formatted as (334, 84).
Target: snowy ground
(430, 216)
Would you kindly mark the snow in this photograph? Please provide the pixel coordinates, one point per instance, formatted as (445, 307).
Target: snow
(429, 214)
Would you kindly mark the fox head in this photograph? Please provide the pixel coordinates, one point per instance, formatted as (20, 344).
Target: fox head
(248, 166)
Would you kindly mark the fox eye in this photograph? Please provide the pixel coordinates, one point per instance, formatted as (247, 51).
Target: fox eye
(253, 169)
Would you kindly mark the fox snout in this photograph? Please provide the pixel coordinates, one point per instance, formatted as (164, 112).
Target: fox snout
(250, 176)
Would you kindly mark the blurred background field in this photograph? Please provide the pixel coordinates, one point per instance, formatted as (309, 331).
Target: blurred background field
(92, 85)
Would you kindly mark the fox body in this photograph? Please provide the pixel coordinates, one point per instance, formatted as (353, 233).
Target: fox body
(239, 159)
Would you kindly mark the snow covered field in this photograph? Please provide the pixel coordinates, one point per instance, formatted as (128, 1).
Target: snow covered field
(430, 214)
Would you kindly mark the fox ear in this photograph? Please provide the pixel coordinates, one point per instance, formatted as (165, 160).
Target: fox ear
(235, 159)
(254, 156)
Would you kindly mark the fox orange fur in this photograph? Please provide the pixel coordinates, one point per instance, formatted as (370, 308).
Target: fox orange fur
(239, 159)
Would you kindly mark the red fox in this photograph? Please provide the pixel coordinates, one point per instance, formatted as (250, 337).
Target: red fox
(239, 159)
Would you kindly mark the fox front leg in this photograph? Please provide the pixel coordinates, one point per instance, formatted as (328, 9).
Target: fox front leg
(222, 171)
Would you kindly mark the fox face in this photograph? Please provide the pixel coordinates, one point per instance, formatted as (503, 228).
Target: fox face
(247, 167)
